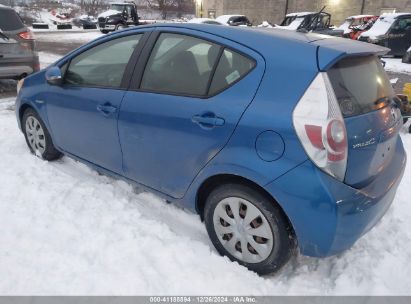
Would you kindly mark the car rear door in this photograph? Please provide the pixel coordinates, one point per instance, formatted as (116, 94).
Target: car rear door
(176, 117)
(83, 111)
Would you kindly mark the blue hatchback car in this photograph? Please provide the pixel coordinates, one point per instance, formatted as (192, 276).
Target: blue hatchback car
(279, 140)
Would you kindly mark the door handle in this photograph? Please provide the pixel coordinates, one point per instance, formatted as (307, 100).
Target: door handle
(208, 120)
(106, 109)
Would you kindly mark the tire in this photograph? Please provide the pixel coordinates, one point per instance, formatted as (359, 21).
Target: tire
(120, 26)
(407, 57)
(269, 255)
(38, 138)
(104, 31)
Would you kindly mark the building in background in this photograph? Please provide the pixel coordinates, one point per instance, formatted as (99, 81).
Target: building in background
(274, 10)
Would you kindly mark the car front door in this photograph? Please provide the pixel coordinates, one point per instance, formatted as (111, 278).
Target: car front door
(183, 105)
(399, 37)
(83, 111)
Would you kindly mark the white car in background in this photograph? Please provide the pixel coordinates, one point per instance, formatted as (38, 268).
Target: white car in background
(293, 21)
(234, 20)
(205, 21)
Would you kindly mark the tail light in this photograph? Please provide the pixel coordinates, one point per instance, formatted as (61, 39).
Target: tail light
(321, 129)
(27, 35)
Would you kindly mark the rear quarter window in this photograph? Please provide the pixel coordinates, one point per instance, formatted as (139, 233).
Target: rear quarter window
(360, 85)
(231, 68)
(10, 20)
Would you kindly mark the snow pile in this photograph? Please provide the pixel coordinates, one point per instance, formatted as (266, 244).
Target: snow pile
(68, 35)
(381, 26)
(395, 65)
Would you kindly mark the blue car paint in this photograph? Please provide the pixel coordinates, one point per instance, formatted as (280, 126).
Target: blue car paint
(165, 123)
(328, 216)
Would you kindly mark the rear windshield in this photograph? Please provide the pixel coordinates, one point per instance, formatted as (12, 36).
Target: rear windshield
(10, 20)
(361, 85)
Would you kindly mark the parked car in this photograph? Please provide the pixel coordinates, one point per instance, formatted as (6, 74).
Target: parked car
(392, 31)
(317, 22)
(199, 115)
(119, 16)
(407, 56)
(86, 22)
(18, 57)
(354, 26)
(205, 21)
(234, 20)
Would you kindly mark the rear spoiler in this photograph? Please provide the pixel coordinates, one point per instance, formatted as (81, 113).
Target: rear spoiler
(330, 50)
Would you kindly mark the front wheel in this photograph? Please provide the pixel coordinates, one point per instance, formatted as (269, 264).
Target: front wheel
(37, 136)
(120, 27)
(104, 31)
(249, 228)
(407, 57)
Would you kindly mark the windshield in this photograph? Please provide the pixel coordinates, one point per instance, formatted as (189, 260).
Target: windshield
(380, 27)
(117, 7)
(288, 20)
(346, 26)
(361, 85)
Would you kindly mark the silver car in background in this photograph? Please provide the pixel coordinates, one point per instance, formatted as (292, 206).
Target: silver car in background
(18, 57)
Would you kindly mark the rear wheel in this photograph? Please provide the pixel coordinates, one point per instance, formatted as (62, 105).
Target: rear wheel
(249, 228)
(37, 136)
(104, 31)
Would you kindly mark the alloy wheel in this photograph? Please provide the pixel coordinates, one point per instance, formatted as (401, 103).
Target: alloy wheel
(35, 135)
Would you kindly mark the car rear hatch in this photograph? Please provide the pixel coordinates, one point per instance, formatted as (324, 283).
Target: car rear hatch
(371, 116)
(367, 103)
(9, 48)
(13, 29)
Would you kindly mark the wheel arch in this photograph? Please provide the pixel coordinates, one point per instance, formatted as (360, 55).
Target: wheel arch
(23, 108)
(214, 181)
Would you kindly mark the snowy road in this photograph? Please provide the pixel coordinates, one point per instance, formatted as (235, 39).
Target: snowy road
(64, 229)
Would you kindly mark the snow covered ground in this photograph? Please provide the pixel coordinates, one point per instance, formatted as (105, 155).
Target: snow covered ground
(395, 65)
(81, 36)
(64, 229)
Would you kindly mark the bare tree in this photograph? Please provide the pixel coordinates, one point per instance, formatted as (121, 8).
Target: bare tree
(165, 6)
(91, 6)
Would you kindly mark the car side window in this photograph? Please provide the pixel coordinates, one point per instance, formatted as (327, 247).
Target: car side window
(180, 64)
(102, 65)
(230, 69)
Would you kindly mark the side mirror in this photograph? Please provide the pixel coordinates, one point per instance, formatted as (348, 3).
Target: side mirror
(53, 76)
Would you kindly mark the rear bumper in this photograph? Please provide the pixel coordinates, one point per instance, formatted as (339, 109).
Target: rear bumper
(329, 216)
(15, 67)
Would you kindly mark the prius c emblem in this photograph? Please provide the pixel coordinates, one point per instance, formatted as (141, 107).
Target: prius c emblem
(364, 144)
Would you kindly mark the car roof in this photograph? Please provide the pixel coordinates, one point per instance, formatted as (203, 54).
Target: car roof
(225, 18)
(121, 3)
(360, 16)
(394, 15)
(259, 38)
(248, 36)
(300, 14)
(5, 7)
(199, 20)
